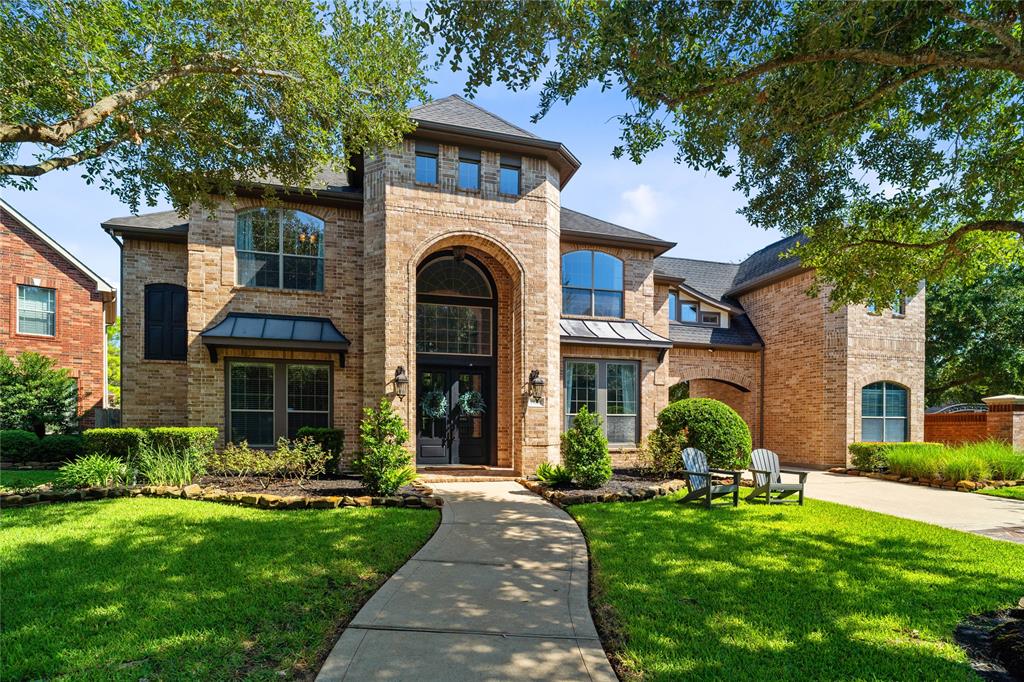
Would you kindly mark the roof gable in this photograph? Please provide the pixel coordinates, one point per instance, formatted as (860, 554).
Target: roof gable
(576, 225)
(456, 111)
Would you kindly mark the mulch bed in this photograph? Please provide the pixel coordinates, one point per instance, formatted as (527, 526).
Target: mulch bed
(625, 485)
(350, 486)
(994, 642)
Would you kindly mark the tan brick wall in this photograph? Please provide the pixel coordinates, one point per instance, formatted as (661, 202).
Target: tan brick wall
(80, 342)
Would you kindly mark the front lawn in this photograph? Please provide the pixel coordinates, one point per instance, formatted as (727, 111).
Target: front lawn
(1014, 493)
(15, 479)
(174, 589)
(822, 591)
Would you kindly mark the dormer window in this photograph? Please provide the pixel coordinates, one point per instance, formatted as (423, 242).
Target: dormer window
(688, 312)
(469, 169)
(426, 163)
(673, 307)
(711, 318)
(509, 174)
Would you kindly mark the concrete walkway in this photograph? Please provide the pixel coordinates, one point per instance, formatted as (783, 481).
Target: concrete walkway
(983, 514)
(499, 593)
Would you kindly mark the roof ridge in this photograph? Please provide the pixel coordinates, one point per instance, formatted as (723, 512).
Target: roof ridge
(459, 98)
(773, 244)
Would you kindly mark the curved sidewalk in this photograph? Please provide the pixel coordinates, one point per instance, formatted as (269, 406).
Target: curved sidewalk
(499, 593)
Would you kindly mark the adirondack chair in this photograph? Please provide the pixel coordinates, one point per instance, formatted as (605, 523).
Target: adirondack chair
(700, 485)
(764, 465)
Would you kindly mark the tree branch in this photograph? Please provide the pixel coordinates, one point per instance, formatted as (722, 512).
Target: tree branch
(951, 239)
(987, 60)
(961, 381)
(882, 91)
(59, 133)
(1000, 33)
(54, 163)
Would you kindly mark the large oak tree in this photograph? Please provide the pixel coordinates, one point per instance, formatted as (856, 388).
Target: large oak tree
(890, 132)
(191, 97)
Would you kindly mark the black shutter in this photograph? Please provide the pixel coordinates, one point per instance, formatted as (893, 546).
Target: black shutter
(166, 306)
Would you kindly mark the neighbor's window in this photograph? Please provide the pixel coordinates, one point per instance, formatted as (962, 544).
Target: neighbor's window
(592, 284)
(609, 388)
(688, 311)
(37, 310)
(165, 307)
(280, 248)
(426, 163)
(673, 307)
(469, 169)
(508, 175)
(267, 400)
(883, 413)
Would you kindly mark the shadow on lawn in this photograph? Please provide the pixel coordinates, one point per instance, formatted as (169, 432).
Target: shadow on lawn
(822, 591)
(181, 589)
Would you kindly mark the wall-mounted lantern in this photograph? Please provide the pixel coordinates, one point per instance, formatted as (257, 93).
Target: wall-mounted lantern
(537, 386)
(401, 382)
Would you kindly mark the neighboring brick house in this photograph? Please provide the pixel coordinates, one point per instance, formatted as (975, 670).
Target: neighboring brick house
(432, 271)
(52, 304)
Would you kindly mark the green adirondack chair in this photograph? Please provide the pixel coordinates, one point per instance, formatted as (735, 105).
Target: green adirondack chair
(764, 464)
(701, 486)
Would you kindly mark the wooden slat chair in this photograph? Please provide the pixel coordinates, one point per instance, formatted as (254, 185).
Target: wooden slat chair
(701, 486)
(764, 464)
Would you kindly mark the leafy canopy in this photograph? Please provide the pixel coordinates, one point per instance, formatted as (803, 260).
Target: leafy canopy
(890, 133)
(36, 395)
(189, 96)
(975, 338)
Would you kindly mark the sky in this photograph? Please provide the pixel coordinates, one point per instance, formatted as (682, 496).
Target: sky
(660, 197)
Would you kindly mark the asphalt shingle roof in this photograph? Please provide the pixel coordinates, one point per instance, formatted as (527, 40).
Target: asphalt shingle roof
(456, 111)
(741, 332)
(166, 222)
(581, 223)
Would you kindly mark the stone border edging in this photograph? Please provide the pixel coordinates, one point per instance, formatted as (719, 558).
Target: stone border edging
(562, 498)
(959, 486)
(211, 494)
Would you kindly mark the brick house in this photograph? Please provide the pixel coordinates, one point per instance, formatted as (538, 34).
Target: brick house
(53, 304)
(447, 267)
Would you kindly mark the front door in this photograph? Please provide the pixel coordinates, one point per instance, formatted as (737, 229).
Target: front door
(452, 422)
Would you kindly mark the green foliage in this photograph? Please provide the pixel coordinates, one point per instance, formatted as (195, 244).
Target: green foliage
(92, 471)
(331, 440)
(17, 445)
(162, 464)
(975, 337)
(121, 442)
(680, 391)
(36, 395)
(298, 460)
(553, 474)
(585, 451)
(384, 463)
(709, 425)
(661, 452)
(191, 98)
(301, 459)
(887, 132)
(114, 363)
(236, 459)
(197, 440)
(59, 448)
(971, 462)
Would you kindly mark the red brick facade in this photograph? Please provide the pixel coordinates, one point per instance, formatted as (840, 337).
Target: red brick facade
(79, 344)
(955, 429)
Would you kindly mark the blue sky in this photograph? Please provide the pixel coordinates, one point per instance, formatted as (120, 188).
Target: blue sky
(660, 197)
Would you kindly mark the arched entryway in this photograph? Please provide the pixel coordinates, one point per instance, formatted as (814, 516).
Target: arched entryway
(456, 360)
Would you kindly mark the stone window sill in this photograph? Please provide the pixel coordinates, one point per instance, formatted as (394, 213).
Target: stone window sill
(276, 290)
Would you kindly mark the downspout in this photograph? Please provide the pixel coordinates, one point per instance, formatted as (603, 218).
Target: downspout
(117, 301)
(760, 419)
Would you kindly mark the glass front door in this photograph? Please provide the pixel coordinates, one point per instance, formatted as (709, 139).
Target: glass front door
(452, 416)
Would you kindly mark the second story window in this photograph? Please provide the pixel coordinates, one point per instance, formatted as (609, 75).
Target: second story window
(688, 311)
(426, 163)
(469, 169)
(37, 310)
(899, 306)
(714, 319)
(508, 177)
(280, 248)
(673, 307)
(592, 284)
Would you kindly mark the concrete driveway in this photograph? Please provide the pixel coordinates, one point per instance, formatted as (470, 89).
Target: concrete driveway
(983, 514)
(499, 593)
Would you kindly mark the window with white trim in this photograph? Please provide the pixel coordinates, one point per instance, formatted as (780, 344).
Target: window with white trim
(37, 310)
(609, 388)
(280, 249)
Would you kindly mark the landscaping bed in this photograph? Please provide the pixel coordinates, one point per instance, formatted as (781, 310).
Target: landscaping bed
(625, 485)
(968, 468)
(822, 591)
(162, 589)
(346, 485)
(988, 487)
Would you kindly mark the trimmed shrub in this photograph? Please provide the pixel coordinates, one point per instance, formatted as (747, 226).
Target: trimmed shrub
(17, 445)
(164, 465)
(661, 452)
(121, 443)
(59, 448)
(196, 440)
(553, 474)
(37, 395)
(711, 426)
(383, 463)
(92, 470)
(871, 456)
(332, 441)
(585, 451)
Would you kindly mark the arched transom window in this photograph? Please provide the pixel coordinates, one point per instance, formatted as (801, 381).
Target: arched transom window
(883, 413)
(454, 308)
(448, 276)
(591, 284)
(280, 248)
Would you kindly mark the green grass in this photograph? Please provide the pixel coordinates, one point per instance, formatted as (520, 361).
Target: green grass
(971, 462)
(25, 478)
(822, 591)
(1014, 493)
(182, 590)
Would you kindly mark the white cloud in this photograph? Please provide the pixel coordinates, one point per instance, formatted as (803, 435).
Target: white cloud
(640, 207)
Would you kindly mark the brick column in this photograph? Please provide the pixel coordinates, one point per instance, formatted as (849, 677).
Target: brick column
(1006, 419)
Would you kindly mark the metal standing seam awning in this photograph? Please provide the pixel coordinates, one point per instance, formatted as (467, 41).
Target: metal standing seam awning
(623, 333)
(275, 332)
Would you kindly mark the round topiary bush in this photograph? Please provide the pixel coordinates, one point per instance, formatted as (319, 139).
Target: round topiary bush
(17, 445)
(585, 451)
(712, 426)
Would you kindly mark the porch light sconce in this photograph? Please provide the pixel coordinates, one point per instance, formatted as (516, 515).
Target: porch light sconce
(401, 382)
(537, 385)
